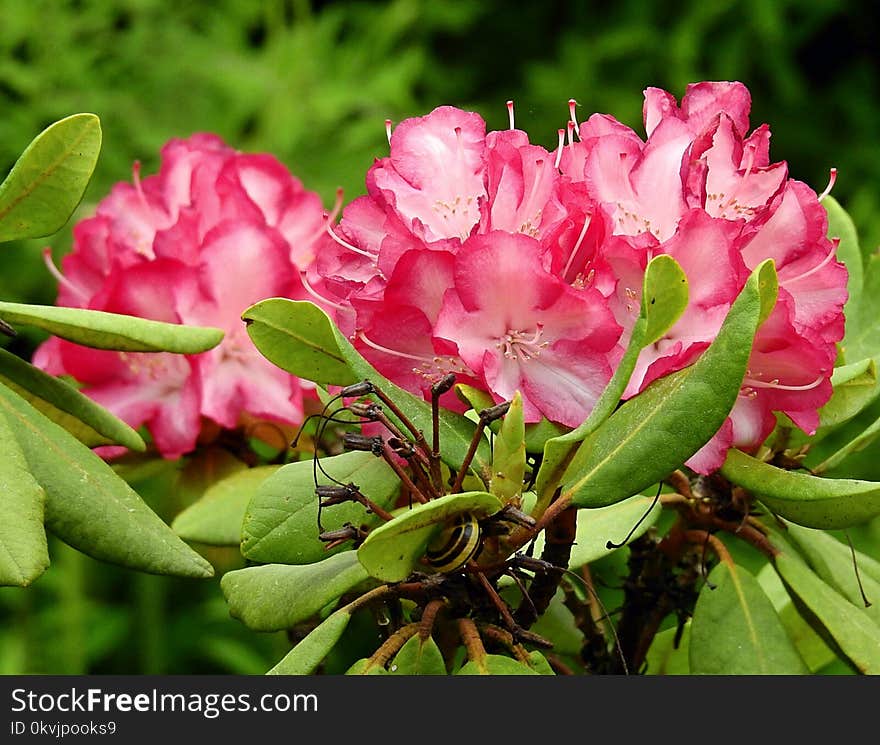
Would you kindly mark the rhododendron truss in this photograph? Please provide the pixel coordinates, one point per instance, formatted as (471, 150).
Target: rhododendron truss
(212, 232)
(521, 269)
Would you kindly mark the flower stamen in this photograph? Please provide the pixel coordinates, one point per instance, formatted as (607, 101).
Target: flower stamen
(62, 280)
(561, 133)
(521, 345)
(572, 104)
(832, 179)
(827, 260)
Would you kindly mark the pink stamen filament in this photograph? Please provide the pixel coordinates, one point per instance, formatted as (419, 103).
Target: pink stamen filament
(318, 296)
(527, 208)
(139, 189)
(379, 348)
(733, 197)
(572, 104)
(831, 254)
(832, 179)
(388, 130)
(337, 206)
(62, 280)
(577, 245)
(516, 345)
(559, 147)
(570, 130)
(510, 114)
(752, 383)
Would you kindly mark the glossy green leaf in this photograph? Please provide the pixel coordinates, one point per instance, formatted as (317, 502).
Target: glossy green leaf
(539, 663)
(495, 664)
(855, 445)
(279, 327)
(100, 330)
(281, 521)
(88, 506)
(473, 397)
(366, 666)
(278, 596)
(862, 338)
(664, 657)
(24, 554)
(855, 386)
(49, 179)
(558, 623)
(90, 423)
(664, 298)
(509, 453)
(305, 657)
(217, 517)
(418, 657)
(653, 433)
(854, 633)
(813, 650)
(807, 500)
(840, 225)
(735, 629)
(596, 526)
(392, 551)
(297, 336)
(832, 561)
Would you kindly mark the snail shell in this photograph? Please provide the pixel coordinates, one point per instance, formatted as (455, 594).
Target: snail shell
(458, 542)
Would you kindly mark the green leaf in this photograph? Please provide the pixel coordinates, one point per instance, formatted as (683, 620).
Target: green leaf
(90, 423)
(273, 597)
(664, 298)
(305, 657)
(832, 561)
(665, 658)
(855, 386)
(840, 225)
(539, 663)
(392, 551)
(509, 454)
(297, 336)
(810, 646)
(281, 522)
(88, 506)
(862, 338)
(101, 330)
(217, 517)
(24, 555)
(418, 657)
(495, 664)
(735, 629)
(653, 433)
(281, 329)
(806, 500)
(856, 444)
(596, 526)
(366, 666)
(850, 628)
(49, 179)
(558, 624)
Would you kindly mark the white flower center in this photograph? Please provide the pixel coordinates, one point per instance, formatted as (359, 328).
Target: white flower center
(522, 345)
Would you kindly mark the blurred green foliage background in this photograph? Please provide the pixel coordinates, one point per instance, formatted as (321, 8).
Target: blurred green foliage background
(313, 83)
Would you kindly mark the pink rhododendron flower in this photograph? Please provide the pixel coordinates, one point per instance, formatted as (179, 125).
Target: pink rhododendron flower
(702, 189)
(520, 269)
(452, 263)
(211, 233)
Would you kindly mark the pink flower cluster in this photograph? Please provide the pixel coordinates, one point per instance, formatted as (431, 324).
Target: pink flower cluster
(211, 233)
(521, 269)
